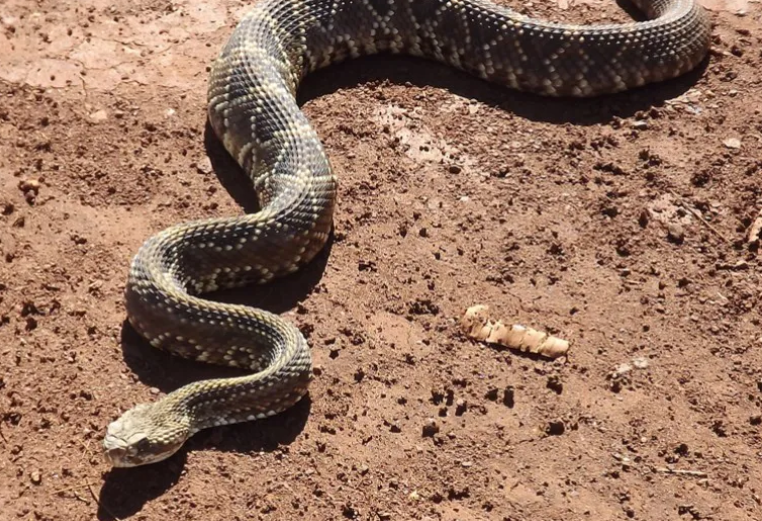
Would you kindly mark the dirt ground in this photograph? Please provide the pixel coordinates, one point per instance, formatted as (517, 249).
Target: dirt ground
(620, 223)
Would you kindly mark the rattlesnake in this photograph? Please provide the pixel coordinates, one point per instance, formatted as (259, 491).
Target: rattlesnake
(252, 109)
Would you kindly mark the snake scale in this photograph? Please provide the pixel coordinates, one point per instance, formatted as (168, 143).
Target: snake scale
(252, 109)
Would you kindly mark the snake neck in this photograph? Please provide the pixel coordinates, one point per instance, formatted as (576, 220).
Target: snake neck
(212, 403)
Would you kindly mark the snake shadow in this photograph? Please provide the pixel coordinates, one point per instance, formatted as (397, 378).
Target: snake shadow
(166, 372)
(126, 491)
(420, 72)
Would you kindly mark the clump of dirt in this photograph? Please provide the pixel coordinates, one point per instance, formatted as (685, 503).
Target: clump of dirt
(621, 224)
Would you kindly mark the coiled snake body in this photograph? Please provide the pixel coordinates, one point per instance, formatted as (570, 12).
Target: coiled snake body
(252, 109)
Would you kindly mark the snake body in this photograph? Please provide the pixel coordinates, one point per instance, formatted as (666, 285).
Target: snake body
(252, 109)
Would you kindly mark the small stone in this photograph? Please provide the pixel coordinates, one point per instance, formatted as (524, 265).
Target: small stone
(36, 477)
(430, 428)
(454, 169)
(675, 233)
(9, 23)
(640, 125)
(732, 143)
(155, 390)
(719, 428)
(640, 363)
(755, 419)
(204, 166)
(350, 512)
(29, 186)
(99, 116)
(643, 218)
(460, 407)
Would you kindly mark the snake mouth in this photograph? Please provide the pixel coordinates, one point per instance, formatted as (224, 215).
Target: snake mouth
(115, 451)
(121, 453)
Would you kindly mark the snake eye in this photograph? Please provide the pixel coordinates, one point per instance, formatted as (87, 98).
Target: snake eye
(143, 443)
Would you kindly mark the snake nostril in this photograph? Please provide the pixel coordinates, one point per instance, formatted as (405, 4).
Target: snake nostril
(114, 454)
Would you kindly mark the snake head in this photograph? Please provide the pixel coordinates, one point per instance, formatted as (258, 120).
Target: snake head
(145, 434)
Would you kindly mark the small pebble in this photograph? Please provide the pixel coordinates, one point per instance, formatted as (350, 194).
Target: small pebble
(430, 428)
(643, 218)
(29, 186)
(675, 233)
(640, 363)
(99, 116)
(36, 477)
(204, 166)
(732, 143)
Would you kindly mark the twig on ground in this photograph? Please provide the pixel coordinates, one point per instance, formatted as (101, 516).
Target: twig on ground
(95, 498)
(697, 215)
(678, 472)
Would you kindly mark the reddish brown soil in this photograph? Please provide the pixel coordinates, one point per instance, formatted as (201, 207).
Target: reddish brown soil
(557, 213)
